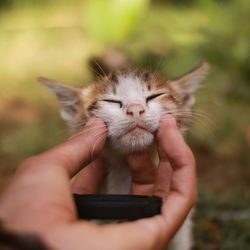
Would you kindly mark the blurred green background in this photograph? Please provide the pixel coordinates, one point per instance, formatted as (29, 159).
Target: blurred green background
(56, 39)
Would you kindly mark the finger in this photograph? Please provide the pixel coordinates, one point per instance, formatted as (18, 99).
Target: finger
(42, 184)
(89, 179)
(143, 172)
(143, 234)
(175, 151)
(163, 179)
(76, 152)
(172, 144)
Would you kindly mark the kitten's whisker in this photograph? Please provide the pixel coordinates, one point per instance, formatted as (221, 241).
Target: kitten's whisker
(93, 128)
(156, 70)
(197, 113)
(98, 139)
(90, 131)
(94, 71)
(204, 117)
(189, 117)
(99, 66)
(122, 122)
(99, 135)
(207, 117)
(99, 132)
(202, 124)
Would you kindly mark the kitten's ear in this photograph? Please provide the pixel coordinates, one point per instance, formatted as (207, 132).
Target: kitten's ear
(68, 96)
(188, 83)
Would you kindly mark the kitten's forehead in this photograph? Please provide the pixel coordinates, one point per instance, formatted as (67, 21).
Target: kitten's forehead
(131, 87)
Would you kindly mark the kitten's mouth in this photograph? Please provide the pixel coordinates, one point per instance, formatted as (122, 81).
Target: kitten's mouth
(137, 127)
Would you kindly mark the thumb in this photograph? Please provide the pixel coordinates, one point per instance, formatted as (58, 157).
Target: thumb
(79, 150)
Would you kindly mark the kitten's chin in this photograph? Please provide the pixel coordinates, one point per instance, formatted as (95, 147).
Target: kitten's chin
(132, 142)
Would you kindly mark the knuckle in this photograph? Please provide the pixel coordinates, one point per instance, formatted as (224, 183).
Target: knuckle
(188, 160)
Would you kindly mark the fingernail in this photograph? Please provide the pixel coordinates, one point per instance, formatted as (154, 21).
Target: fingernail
(91, 121)
(168, 119)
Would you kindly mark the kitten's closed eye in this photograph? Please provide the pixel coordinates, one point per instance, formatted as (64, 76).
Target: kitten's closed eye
(113, 101)
(151, 97)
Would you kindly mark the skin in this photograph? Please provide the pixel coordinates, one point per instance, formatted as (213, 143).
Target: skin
(39, 200)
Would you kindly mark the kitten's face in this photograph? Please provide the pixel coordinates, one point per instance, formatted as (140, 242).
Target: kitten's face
(131, 105)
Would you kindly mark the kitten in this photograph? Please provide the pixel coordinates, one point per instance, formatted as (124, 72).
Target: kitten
(131, 104)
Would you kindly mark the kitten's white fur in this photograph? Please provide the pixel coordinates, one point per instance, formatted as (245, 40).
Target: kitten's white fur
(119, 123)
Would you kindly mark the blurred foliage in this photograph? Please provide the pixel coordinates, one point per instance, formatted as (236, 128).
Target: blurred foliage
(113, 21)
(8, 4)
(56, 39)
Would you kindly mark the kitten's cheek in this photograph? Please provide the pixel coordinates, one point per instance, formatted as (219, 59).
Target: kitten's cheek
(155, 128)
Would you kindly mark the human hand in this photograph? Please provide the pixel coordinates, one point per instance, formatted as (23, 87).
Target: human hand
(39, 198)
(174, 179)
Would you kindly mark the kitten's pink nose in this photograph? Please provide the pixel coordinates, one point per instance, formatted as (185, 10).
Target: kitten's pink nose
(135, 110)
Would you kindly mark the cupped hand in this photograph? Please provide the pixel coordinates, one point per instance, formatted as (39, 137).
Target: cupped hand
(173, 179)
(39, 199)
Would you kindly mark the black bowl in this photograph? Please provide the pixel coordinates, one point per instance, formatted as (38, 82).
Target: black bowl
(117, 207)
